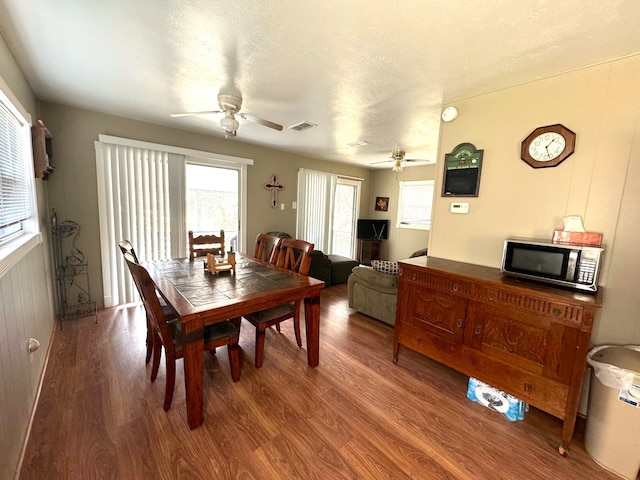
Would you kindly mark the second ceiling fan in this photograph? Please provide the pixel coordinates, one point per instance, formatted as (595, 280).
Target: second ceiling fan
(398, 159)
(230, 105)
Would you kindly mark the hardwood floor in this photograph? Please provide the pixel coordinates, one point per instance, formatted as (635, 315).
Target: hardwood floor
(357, 415)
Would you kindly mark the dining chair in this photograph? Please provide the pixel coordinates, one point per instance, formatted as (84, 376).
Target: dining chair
(170, 336)
(293, 255)
(201, 244)
(267, 248)
(127, 247)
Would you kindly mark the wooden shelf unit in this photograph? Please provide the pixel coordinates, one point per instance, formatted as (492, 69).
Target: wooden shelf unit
(368, 250)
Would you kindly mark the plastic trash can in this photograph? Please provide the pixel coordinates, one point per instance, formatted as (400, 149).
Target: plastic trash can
(612, 434)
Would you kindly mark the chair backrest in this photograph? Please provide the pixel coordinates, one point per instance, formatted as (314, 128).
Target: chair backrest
(126, 247)
(200, 245)
(295, 255)
(266, 248)
(149, 295)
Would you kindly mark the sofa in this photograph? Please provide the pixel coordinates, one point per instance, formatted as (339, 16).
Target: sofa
(331, 269)
(373, 293)
(374, 290)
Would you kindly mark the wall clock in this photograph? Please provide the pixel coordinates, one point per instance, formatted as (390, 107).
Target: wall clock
(548, 146)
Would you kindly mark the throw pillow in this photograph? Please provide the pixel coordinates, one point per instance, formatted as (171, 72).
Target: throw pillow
(385, 266)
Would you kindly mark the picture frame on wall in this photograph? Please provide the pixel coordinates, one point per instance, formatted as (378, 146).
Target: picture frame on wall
(382, 204)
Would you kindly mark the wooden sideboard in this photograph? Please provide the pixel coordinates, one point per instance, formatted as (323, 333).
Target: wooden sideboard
(527, 339)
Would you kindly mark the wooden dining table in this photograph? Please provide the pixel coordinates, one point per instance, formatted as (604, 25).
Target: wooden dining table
(201, 298)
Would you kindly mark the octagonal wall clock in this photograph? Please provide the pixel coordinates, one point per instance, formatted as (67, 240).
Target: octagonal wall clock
(548, 146)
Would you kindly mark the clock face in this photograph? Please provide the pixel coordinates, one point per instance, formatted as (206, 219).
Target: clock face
(547, 146)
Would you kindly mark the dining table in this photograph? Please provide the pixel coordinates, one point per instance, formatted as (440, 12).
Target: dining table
(201, 298)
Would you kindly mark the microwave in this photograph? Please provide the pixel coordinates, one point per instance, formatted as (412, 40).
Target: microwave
(573, 266)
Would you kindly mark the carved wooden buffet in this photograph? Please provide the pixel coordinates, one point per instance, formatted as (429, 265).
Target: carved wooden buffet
(528, 340)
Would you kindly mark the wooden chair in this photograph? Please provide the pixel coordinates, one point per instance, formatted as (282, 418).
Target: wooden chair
(267, 248)
(126, 247)
(200, 245)
(170, 335)
(293, 255)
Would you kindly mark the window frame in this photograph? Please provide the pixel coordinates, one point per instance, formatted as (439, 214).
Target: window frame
(399, 219)
(18, 245)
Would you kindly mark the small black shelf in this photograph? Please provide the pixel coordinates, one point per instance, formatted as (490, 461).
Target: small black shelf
(72, 273)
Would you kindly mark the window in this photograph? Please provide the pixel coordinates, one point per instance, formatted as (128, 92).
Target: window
(213, 201)
(327, 211)
(143, 195)
(18, 225)
(414, 205)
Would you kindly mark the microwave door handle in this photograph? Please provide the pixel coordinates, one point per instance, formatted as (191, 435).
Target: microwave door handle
(571, 265)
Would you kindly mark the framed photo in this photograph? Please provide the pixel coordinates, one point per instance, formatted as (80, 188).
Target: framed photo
(382, 204)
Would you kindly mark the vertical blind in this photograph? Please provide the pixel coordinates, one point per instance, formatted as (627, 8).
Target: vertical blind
(315, 208)
(134, 203)
(15, 194)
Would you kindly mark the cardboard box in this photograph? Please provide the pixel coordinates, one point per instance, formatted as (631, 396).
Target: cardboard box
(591, 239)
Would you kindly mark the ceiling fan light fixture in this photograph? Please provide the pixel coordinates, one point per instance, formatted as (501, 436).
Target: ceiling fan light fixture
(229, 123)
(397, 167)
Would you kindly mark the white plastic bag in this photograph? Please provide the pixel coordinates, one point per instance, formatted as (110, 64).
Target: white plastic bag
(610, 375)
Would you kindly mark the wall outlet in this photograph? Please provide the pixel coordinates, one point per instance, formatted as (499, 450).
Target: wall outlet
(282, 206)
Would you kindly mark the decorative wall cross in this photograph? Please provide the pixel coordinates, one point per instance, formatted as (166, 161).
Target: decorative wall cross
(274, 186)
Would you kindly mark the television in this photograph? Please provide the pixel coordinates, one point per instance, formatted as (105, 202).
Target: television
(370, 229)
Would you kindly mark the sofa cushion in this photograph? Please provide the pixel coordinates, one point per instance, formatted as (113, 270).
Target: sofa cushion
(376, 279)
(384, 266)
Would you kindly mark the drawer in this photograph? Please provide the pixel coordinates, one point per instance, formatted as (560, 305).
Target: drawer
(443, 283)
(571, 315)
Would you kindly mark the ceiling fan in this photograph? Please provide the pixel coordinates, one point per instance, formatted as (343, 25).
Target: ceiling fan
(230, 106)
(398, 159)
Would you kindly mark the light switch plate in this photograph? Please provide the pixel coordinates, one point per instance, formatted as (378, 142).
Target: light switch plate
(459, 207)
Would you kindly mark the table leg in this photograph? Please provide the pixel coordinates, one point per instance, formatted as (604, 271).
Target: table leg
(193, 375)
(312, 322)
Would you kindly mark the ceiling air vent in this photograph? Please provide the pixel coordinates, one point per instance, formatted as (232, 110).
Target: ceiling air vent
(302, 126)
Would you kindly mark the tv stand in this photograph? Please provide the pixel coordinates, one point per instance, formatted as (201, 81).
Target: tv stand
(368, 250)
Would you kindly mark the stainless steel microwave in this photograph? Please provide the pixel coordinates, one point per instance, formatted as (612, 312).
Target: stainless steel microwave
(573, 266)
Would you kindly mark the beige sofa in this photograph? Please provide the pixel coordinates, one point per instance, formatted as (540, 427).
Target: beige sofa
(373, 293)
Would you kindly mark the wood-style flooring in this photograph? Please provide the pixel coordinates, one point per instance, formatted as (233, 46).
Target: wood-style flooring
(356, 416)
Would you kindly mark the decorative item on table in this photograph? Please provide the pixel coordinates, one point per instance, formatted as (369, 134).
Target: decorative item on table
(216, 264)
(511, 407)
(574, 233)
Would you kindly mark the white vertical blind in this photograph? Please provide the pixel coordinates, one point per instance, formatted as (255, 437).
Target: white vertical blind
(134, 197)
(315, 208)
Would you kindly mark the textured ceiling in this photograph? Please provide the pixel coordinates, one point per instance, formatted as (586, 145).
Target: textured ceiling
(359, 69)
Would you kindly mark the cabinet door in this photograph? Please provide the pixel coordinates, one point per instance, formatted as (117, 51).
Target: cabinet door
(529, 341)
(436, 313)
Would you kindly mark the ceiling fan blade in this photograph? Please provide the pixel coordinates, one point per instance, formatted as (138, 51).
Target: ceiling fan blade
(186, 114)
(261, 121)
(382, 161)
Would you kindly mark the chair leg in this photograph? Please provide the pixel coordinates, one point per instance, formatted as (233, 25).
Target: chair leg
(149, 341)
(157, 350)
(296, 323)
(171, 381)
(234, 360)
(278, 327)
(260, 336)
